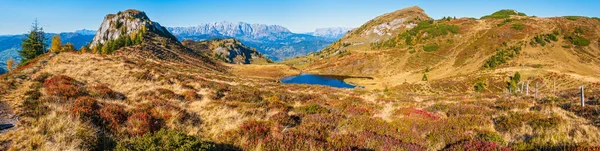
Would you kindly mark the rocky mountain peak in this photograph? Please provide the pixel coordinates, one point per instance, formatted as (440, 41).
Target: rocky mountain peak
(391, 23)
(126, 23)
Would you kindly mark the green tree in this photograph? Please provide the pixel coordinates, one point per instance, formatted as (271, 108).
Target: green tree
(33, 45)
(424, 77)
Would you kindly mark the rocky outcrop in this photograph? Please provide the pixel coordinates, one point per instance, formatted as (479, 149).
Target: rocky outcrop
(127, 23)
(228, 50)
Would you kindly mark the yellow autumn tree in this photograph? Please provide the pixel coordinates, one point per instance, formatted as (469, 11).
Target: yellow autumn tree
(84, 49)
(56, 45)
(10, 64)
(68, 47)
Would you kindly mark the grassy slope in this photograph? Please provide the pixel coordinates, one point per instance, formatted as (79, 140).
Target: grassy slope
(464, 53)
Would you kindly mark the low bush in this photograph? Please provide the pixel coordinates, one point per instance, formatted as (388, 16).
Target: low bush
(191, 95)
(168, 94)
(284, 119)
(518, 26)
(165, 140)
(64, 86)
(476, 145)
(140, 123)
(85, 108)
(312, 109)
(430, 47)
(573, 18)
(113, 116)
(244, 94)
(103, 91)
(369, 140)
(416, 113)
(503, 14)
(580, 41)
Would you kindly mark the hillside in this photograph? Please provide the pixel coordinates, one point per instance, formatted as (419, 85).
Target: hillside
(404, 46)
(227, 50)
(141, 89)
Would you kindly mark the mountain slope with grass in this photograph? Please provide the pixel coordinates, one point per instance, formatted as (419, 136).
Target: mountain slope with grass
(406, 46)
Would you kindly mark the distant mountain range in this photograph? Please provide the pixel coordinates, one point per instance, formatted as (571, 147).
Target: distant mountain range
(274, 41)
(331, 32)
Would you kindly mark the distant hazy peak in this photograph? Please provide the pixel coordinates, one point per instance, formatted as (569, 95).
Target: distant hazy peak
(85, 32)
(331, 32)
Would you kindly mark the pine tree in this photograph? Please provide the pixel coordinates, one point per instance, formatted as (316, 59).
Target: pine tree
(128, 41)
(105, 48)
(424, 77)
(33, 45)
(83, 49)
(10, 64)
(56, 45)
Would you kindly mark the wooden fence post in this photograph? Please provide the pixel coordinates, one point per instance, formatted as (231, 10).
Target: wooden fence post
(582, 97)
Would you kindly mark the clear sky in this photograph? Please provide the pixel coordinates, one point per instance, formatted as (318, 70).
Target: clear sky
(16, 16)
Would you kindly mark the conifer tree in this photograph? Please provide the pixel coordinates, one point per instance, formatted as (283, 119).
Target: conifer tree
(10, 64)
(68, 47)
(33, 45)
(83, 49)
(56, 45)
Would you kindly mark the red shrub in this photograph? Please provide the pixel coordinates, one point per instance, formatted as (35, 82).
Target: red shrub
(162, 110)
(190, 95)
(100, 90)
(85, 107)
(283, 119)
(64, 86)
(370, 140)
(412, 112)
(168, 94)
(476, 145)
(113, 115)
(140, 123)
(256, 132)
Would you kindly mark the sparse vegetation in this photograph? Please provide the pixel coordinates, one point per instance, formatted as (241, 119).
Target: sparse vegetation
(502, 56)
(503, 14)
(518, 26)
(430, 47)
(165, 140)
(410, 37)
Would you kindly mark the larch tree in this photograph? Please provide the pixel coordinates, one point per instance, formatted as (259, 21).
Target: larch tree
(68, 47)
(10, 64)
(84, 49)
(56, 45)
(33, 45)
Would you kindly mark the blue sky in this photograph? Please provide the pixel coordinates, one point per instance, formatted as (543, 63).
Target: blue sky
(16, 16)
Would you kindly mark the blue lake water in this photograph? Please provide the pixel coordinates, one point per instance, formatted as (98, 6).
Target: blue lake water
(333, 81)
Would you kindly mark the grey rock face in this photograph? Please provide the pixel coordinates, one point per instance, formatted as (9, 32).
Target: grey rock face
(124, 24)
